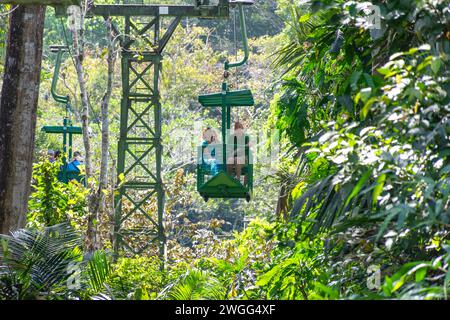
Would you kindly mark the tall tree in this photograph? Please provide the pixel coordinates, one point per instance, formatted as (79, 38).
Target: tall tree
(78, 56)
(97, 198)
(97, 195)
(18, 106)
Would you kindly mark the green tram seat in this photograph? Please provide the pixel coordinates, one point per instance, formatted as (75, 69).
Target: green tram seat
(238, 98)
(65, 175)
(222, 184)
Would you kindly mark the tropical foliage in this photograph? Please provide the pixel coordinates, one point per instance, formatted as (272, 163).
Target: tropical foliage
(356, 207)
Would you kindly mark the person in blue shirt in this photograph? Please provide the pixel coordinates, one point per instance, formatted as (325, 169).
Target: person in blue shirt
(77, 160)
(209, 150)
(75, 164)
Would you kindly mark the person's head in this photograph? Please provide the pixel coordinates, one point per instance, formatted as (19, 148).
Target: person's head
(238, 128)
(77, 156)
(209, 135)
(57, 154)
(51, 153)
(238, 125)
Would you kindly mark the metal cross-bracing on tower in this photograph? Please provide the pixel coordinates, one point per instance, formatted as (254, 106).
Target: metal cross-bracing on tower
(140, 197)
(140, 149)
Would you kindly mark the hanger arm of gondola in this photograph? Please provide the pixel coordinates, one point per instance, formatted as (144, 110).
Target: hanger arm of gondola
(240, 7)
(58, 97)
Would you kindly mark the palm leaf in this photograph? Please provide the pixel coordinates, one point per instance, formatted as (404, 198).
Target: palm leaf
(194, 285)
(99, 270)
(40, 260)
(327, 203)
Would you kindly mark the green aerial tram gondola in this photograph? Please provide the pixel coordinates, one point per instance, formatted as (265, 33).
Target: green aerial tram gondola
(222, 183)
(67, 130)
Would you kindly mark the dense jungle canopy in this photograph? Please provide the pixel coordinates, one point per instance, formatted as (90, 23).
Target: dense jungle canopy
(350, 125)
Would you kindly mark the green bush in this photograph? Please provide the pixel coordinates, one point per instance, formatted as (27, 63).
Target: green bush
(52, 202)
(139, 278)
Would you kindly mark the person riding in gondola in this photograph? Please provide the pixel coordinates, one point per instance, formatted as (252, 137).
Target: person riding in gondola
(209, 149)
(77, 161)
(237, 156)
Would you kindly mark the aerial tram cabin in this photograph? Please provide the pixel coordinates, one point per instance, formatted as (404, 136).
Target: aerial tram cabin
(222, 183)
(67, 130)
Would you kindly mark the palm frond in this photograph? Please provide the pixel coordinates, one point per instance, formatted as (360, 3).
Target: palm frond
(99, 270)
(194, 285)
(102, 296)
(328, 203)
(299, 33)
(41, 260)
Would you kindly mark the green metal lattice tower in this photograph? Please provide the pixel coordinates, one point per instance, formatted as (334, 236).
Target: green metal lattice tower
(140, 149)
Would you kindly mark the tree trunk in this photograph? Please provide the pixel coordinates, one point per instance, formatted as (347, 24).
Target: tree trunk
(78, 57)
(18, 106)
(78, 45)
(103, 179)
(98, 199)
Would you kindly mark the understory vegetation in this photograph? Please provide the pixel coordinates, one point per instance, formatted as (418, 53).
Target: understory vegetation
(356, 205)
